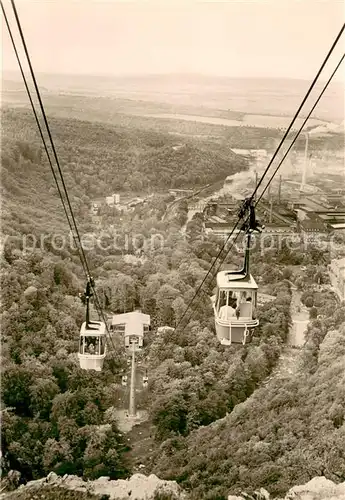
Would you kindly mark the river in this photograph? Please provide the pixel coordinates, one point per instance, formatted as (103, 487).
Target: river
(249, 120)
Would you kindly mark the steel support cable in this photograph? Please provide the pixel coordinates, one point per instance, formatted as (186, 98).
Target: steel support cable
(36, 117)
(285, 135)
(302, 126)
(210, 269)
(48, 131)
(289, 149)
(266, 170)
(80, 249)
(300, 108)
(207, 274)
(276, 170)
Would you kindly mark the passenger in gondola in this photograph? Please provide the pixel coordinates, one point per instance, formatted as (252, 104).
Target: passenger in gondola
(242, 300)
(97, 347)
(229, 311)
(249, 299)
(91, 349)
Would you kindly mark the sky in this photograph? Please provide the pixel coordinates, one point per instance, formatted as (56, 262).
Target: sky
(243, 38)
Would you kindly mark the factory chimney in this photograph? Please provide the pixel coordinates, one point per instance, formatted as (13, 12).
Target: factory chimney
(280, 189)
(304, 171)
(256, 185)
(271, 210)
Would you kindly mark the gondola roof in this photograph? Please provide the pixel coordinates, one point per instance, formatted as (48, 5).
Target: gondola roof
(227, 279)
(98, 328)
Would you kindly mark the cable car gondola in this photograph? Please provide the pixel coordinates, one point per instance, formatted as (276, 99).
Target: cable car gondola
(92, 346)
(236, 295)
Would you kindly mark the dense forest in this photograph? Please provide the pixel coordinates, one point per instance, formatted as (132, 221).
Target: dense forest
(56, 417)
(284, 434)
(100, 159)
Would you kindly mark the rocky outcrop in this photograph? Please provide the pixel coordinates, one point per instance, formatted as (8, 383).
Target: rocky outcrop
(165, 329)
(138, 487)
(319, 488)
(31, 293)
(141, 487)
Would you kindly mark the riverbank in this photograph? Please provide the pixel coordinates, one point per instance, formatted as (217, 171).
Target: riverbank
(248, 120)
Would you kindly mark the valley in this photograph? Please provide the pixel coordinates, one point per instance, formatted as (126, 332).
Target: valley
(219, 419)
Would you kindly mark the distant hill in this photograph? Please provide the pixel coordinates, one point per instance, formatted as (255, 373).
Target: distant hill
(97, 160)
(246, 95)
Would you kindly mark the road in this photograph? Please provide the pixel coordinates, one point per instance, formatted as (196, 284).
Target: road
(129, 399)
(190, 215)
(175, 202)
(290, 358)
(300, 320)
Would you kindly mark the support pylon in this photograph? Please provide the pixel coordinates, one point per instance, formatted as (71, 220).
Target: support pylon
(132, 409)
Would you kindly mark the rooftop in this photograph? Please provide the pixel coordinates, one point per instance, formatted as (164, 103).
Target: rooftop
(312, 224)
(227, 280)
(133, 318)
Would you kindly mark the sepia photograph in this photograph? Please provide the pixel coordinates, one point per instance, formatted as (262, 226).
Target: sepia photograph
(172, 246)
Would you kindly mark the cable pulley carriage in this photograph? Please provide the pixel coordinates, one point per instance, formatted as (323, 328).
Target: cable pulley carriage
(234, 303)
(92, 345)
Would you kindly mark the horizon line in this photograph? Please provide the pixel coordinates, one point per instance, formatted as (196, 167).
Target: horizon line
(170, 74)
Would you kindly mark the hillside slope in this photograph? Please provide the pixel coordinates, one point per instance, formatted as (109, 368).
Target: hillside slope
(56, 416)
(99, 159)
(284, 434)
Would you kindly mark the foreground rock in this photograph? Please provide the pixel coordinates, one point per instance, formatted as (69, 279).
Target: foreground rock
(138, 487)
(319, 488)
(141, 487)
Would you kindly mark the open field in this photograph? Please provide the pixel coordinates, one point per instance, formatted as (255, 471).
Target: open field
(228, 98)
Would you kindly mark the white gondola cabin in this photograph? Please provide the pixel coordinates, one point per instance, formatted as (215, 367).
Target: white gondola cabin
(92, 347)
(234, 307)
(235, 301)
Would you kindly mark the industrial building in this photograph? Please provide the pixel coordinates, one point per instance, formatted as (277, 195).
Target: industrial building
(181, 192)
(319, 215)
(304, 214)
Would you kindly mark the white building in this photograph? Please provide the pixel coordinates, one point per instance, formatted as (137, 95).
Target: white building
(338, 226)
(132, 326)
(112, 200)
